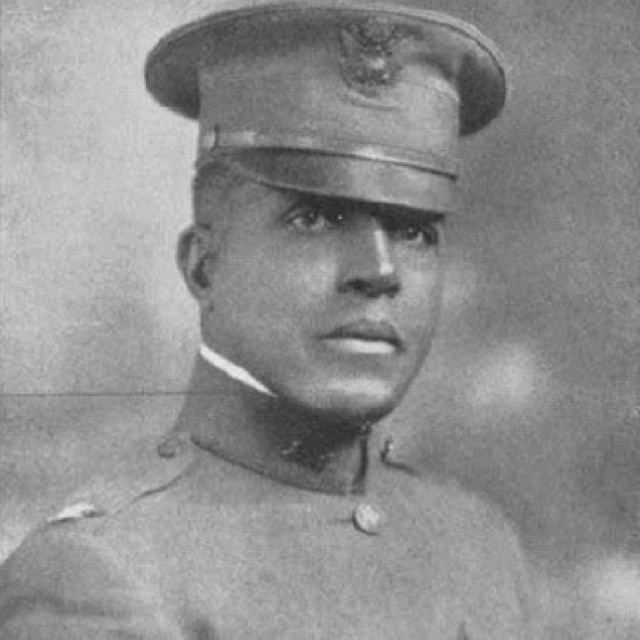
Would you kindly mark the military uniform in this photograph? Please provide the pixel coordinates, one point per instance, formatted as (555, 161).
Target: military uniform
(216, 533)
(247, 522)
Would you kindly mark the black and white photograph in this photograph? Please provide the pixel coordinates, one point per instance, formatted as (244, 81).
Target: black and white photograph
(320, 320)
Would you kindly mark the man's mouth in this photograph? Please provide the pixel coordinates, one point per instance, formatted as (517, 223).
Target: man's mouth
(365, 337)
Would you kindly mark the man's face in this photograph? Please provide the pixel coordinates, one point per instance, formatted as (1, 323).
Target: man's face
(330, 303)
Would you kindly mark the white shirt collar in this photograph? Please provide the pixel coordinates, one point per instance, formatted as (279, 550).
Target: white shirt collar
(232, 370)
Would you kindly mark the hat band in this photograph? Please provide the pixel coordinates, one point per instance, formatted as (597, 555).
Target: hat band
(344, 177)
(216, 139)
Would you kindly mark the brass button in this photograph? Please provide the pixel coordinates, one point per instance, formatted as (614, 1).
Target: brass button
(368, 519)
(169, 447)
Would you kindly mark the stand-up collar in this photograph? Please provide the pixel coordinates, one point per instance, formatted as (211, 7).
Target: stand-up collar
(267, 435)
(231, 369)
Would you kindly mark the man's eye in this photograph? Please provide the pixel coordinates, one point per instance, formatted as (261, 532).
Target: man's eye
(427, 234)
(314, 219)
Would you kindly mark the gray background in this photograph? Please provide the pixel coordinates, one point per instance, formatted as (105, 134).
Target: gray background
(531, 394)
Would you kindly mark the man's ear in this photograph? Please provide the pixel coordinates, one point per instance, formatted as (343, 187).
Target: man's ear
(196, 248)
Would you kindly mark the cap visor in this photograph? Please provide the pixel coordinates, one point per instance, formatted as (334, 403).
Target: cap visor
(346, 177)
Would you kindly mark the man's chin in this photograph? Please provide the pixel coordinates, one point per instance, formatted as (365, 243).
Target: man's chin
(352, 402)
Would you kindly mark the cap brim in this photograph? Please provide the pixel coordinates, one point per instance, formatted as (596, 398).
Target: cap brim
(346, 177)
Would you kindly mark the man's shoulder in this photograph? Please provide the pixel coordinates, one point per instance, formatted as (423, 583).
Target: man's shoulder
(65, 569)
(464, 507)
(446, 501)
(458, 520)
(146, 466)
(487, 543)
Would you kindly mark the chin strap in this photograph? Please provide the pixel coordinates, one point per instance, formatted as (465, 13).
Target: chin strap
(232, 370)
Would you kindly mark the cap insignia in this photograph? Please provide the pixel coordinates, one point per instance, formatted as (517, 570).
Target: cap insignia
(368, 61)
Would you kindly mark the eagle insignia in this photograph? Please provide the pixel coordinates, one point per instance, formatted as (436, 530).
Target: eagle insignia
(368, 61)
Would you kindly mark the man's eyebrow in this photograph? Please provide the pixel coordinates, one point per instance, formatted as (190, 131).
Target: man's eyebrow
(381, 210)
(409, 215)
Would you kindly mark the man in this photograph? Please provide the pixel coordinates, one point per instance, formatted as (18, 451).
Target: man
(326, 165)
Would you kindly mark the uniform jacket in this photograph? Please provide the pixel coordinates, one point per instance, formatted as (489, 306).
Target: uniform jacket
(241, 525)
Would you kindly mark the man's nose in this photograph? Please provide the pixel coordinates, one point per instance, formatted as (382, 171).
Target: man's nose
(369, 264)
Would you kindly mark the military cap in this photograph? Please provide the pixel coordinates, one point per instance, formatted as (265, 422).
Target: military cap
(363, 100)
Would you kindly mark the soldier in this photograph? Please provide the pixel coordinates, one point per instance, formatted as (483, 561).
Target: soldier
(326, 166)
